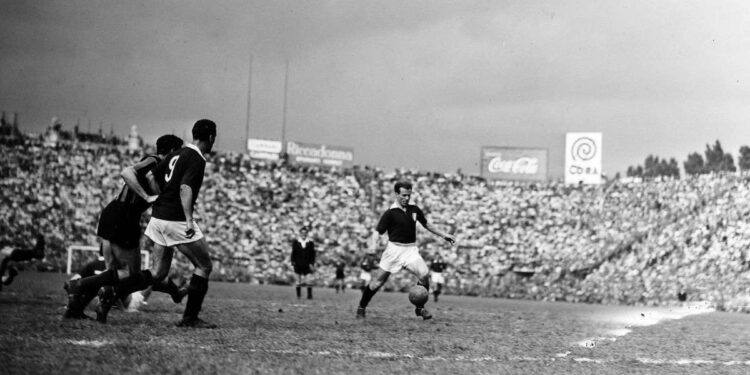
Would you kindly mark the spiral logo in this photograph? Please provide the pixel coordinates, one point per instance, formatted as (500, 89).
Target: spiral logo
(583, 149)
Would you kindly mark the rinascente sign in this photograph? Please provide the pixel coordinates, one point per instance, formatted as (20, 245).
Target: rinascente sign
(309, 153)
(264, 149)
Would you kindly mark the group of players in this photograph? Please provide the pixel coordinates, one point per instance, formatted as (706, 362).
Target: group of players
(169, 182)
(303, 262)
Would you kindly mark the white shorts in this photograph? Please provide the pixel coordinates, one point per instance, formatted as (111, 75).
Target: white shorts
(437, 278)
(170, 233)
(398, 257)
(365, 276)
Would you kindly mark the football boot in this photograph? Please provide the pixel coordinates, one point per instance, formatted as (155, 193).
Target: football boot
(421, 311)
(107, 299)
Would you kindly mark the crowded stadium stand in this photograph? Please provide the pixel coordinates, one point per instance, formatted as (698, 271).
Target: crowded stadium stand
(642, 243)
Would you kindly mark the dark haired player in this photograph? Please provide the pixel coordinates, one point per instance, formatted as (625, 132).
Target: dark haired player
(172, 223)
(303, 261)
(120, 230)
(437, 266)
(400, 222)
(368, 264)
(11, 254)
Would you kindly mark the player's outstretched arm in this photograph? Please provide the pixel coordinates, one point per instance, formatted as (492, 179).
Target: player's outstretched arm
(445, 236)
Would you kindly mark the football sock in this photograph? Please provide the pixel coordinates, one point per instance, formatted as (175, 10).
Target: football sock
(299, 291)
(21, 255)
(92, 284)
(309, 292)
(196, 292)
(425, 285)
(166, 286)
(367, 294)
(133, 283)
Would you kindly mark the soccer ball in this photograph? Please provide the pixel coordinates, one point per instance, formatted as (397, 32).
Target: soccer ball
(418, 295)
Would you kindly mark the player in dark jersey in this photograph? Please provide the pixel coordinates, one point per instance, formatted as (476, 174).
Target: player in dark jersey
(13, 254)
(437, 266)
(340, 275)
(400, 222)
(368, 264)
(120, 231)
(303, 261)
(172, 222)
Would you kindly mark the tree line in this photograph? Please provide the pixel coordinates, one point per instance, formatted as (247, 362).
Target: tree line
(713, 160)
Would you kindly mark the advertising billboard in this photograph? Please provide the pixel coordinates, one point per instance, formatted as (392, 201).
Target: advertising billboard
(514, 163)
(264, 149)
(583, 158)
(309, 153)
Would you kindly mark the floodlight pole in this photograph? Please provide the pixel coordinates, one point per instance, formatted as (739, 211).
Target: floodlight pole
(249, 100)
(283, 118)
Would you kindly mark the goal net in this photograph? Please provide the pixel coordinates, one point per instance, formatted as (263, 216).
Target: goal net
(79, 255)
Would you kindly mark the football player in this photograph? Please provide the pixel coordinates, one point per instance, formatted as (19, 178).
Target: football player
(120, 231)
(172, 222)
(368, 264)
(11, 254)
(400, 222)
(437, 266)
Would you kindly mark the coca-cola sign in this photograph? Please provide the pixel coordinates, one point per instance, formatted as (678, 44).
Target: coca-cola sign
(513, 163)
(521, 165)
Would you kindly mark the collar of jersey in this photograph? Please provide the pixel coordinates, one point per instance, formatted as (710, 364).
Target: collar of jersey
(396, 205)
(194, 147)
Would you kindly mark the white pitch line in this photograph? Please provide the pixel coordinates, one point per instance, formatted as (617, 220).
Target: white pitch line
(91, 343)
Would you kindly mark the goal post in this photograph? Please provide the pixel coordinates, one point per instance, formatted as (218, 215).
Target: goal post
(145, 256)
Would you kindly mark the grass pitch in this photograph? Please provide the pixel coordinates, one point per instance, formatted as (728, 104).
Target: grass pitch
(265, 329)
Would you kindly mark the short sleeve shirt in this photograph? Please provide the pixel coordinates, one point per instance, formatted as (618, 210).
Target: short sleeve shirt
(182, 167)
(401, 224)
(129, 196)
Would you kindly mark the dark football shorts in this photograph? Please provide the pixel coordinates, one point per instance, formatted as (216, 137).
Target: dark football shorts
(120, 225)
(302, 270)
(339, 274)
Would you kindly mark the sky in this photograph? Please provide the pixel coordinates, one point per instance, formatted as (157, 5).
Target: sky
(408, 84)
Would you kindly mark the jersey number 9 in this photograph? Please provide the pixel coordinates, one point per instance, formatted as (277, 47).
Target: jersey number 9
(172, 163)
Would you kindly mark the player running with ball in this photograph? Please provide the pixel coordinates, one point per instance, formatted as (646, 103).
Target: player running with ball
(400, 222)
